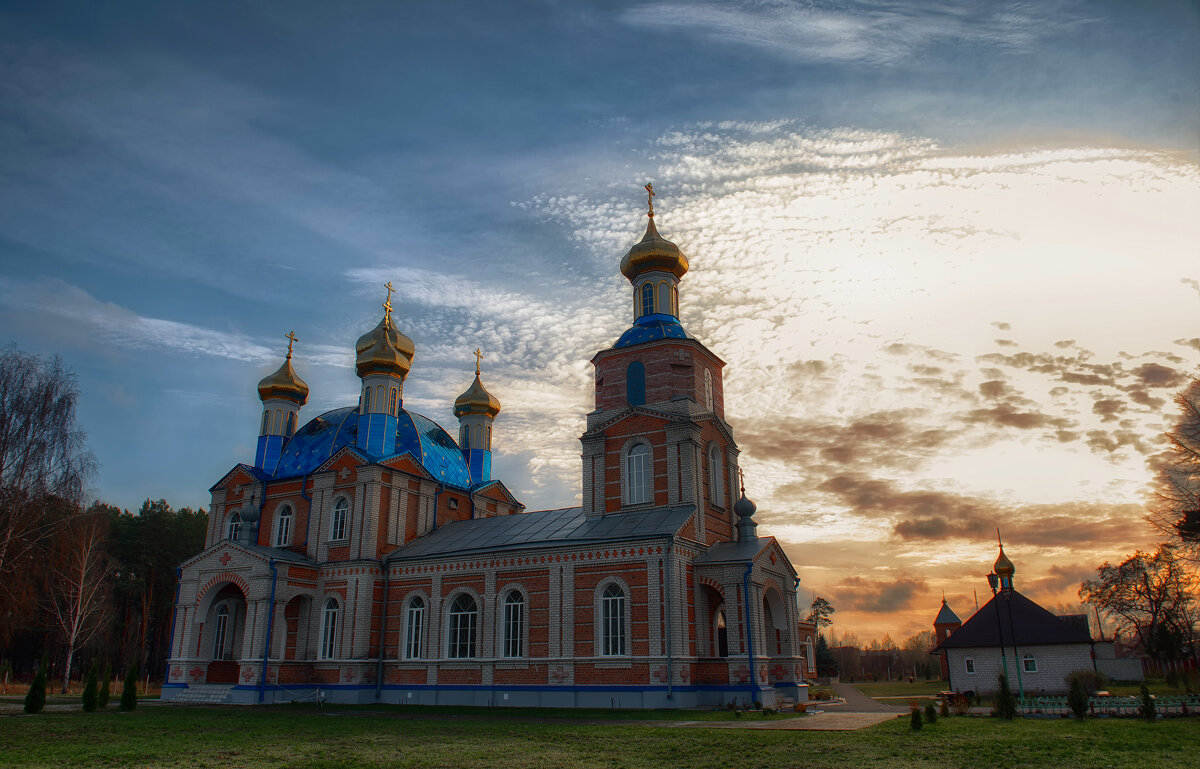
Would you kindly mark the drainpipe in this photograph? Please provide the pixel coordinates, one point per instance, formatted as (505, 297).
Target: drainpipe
(262, 684)
(382, 629)
(174, 617)
(670, 636)
(749, 629)
(437, 498)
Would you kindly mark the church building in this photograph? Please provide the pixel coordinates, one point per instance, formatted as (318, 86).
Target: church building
(368, 556)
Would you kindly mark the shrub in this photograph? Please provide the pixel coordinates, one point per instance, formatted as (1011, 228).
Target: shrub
(945, 709)
(129, 692)
(1091, 681)
(931, 713)
(35, 698)
(768, 711)
(915, 719)
(103, 695)
(89, 690)
(1077, 698)
(1149, 712)
(1006, 703)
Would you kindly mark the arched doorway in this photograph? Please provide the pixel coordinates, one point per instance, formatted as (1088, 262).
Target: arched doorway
(224, 634)
(777, 641)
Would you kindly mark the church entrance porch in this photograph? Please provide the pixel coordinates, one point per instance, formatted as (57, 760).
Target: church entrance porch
(223, 633)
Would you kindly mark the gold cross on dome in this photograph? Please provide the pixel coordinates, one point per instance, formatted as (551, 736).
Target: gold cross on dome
(387, 303)
(650, 197)
(478, 357)
(742, 480)
(291, 337)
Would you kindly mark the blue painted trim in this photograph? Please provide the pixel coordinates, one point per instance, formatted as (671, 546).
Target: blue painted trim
(262, 684)
(174, 686)
(749, 628)
(513, 688)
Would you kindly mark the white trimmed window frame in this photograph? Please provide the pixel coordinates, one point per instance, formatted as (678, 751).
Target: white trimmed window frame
(716, 475)
(1029, 664)
(455, 630)
(413, 648)
(285, 516)
(602, 631)
(233, 526)
(969, 664)
(339, 527)
(503, 638)
(646, 487)
(331, 611)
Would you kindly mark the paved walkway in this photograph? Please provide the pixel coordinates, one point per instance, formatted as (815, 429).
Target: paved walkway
(857, 702)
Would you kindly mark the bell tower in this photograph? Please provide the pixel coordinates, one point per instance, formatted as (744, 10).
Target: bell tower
(383, 358)
(657, 437)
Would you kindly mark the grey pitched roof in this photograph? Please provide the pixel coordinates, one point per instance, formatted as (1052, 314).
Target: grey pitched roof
(726, 552)
(946, 616)
(544, 528)
(1019, 618)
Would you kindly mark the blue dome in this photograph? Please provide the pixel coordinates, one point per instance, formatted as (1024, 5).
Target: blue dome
(420, 436)
(651, 327)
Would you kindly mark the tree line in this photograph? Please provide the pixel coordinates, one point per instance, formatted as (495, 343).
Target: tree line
(92, 582)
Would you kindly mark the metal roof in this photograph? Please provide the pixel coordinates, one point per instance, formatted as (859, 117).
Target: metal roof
(946, 616)
(726, 552)
(1008, 616)
(325, 435)
(544, 528)
(651, 327)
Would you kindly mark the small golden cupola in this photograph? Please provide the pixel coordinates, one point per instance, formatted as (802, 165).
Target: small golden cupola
(1004, 569)
(654, 266)
(476, 410)
(384, 348)
(282, 394)
(383, 359)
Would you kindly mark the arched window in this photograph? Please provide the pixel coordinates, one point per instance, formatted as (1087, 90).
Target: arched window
(664, 297)
(278, 422)
(512, 644)
(341, 512)
(392, 403)
(266, 422)
(329, 621)
(414, 625)
(460, 636)
(720, 633)
(970, 665)
(637, 475)
(716, 475)
(708, 390)
(291, 424)
(647, 299)
(464, 435)
(234, 527)
(283, 527)
(365, 407)
(635, 384)
(612, 621)
(222, 643)
(487, 437)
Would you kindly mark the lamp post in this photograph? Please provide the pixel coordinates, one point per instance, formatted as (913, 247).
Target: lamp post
(993, 582)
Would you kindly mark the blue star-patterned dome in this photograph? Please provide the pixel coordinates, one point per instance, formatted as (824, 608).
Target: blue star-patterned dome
(420, 436)
(651, 327)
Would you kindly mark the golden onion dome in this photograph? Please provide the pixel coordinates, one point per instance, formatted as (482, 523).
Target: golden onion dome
(1003, 566)
(653, 252)
(476, 400)
(382, 356)
(284, 384)
(386, 328)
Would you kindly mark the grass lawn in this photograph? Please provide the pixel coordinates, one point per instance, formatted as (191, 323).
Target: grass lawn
(303, 737)
(900, 688)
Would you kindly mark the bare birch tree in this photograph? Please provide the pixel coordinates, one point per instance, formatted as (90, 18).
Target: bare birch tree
(78, 599)
(1176, 509)
(44, 467)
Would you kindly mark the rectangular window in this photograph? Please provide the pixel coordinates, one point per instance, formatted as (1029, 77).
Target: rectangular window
(1030, 664)
(513, 628)
(970, 666)
(412, 633)
(612, 628)
(462, 635)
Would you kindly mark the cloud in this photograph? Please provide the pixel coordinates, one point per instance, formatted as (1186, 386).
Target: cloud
(857, 32)
(876, 596)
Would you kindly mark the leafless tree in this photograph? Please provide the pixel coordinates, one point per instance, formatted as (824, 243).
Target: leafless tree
(44, 467)
(1176, 509)
(78, 599)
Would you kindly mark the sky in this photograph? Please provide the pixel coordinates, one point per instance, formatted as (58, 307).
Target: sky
(949, 250)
